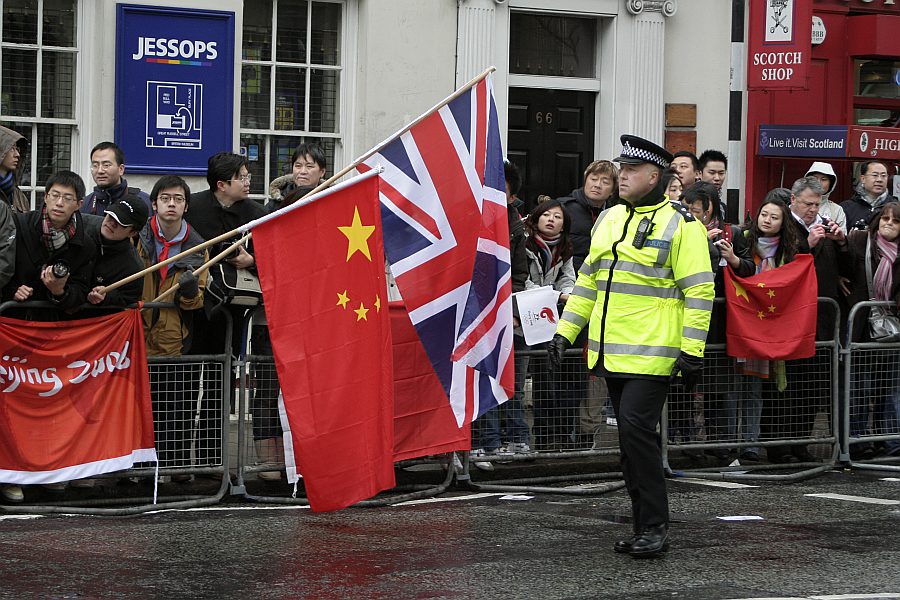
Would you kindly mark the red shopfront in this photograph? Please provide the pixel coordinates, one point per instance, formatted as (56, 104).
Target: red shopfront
(854, 80)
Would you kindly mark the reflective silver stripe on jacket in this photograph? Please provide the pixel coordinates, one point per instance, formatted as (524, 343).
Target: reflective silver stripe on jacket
(628, 266)
(635, 289)
(635, 349)
(600, 218)
(583, 292)
(693, 333)
(698, 303)
(695, 279)
(667, 236)
(574, 318)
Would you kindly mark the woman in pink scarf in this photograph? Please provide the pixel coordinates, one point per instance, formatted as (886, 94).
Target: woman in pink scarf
(874, 380)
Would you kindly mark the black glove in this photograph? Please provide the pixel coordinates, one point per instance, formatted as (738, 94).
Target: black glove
(555, 350)
(691, 368)
(188, 286)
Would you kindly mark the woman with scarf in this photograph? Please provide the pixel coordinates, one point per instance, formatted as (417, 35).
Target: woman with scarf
(773, 242)
(879, 242)
(549, 252)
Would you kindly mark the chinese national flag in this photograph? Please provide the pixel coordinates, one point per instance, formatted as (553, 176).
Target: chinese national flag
(772, 315)
(321, 270)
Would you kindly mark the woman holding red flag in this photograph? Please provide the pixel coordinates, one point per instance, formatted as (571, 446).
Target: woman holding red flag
(773, 242)
(880, 281)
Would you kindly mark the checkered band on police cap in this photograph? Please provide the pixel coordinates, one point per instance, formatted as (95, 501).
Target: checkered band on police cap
(636, 149)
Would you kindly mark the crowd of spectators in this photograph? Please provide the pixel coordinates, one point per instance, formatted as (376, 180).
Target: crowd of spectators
(71, 248)
(742, 401)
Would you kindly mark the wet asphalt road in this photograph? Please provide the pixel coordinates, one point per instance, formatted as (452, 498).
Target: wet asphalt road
(470, 546)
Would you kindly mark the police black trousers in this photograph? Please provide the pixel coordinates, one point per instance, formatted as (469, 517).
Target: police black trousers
(638, 404)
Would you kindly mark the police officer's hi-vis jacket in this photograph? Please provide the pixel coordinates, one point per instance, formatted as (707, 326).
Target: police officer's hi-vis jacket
(644, 306)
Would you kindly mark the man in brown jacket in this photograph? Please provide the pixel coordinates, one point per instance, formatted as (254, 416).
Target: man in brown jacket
(169, 331)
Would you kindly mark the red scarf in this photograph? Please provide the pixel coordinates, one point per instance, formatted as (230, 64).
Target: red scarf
(167, 244)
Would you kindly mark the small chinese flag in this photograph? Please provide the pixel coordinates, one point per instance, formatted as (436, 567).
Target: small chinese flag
(772, 315)
(322, 274)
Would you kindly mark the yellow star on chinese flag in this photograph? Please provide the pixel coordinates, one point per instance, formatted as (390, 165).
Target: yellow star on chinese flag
(761, 284)
(761, 315)
(739, 290)
(358, 235)
(377, 303)
(361, 312)
(771, 293)
(771, 308)
(343, 299)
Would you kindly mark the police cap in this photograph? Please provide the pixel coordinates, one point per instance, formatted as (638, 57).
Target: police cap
(637, 150)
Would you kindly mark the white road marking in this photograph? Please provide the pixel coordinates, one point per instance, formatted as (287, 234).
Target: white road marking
(18, 517)
(450, 499)
(733, 485)
(890, 479)
(224, 508)
(862, 499)
(881, 596)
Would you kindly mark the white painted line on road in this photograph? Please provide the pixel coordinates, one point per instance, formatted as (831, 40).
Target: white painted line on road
(715, 483)
(19, 517)
(741, 518)
(224, 508)
(450, 499)
(881, 596)
(862, 499)
(890, 479)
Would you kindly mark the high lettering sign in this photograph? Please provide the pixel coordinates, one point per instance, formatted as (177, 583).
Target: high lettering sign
(875, 142)
(780, 44)
(174, 87)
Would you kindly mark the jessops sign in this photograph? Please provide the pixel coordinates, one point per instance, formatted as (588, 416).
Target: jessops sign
(780, 44)
(174, 87)
(813, 141)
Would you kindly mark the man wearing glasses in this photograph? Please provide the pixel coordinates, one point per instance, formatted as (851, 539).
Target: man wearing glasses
(871, 194)
(107, 171)
(220, 209)
(54, 254)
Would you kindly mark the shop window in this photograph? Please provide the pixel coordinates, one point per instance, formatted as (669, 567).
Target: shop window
(876, 100)
(552, 46)
(290, 83)
(38, 62)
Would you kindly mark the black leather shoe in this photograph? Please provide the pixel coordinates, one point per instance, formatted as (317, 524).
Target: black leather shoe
(652, 542)
(624, 546)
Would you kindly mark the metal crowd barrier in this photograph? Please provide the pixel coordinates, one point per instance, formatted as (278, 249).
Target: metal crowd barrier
(260, 467)
(870, 389)
(191, 398)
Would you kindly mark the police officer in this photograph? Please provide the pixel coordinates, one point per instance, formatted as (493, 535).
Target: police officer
(645, 291)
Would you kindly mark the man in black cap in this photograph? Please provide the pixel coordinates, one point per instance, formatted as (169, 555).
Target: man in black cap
(648, 264)
(117, 257)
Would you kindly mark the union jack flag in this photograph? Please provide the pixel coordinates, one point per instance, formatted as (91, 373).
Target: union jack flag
(446, 237)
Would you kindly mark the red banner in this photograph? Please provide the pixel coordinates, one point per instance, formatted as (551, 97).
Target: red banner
(780, 44)
(874, 142)
(772, 316)
(322, 274)
(74, 398)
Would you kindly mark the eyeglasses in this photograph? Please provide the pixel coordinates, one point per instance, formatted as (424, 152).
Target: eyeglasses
(96, 166)
(166, 198)
(54, 196)
(243, 178)
(876, 175)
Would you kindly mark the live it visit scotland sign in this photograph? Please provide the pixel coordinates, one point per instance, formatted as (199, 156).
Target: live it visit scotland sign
(821, 141)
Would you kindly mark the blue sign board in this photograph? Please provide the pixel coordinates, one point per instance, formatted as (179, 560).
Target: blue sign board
(174, 87)
(812, 141)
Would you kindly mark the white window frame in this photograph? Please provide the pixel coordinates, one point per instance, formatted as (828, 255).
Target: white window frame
(32, 189)
(346, 85)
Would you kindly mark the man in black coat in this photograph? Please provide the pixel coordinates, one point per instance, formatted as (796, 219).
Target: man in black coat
(220, 209)
(54, 254)
(117, 257)
(871, 193)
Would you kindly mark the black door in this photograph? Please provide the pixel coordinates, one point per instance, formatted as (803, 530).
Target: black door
(551, 140)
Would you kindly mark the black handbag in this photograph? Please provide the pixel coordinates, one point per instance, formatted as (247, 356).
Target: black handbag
(884, 324)
(229, 285)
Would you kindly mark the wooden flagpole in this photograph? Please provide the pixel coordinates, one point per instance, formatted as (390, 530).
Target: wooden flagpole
(204, 267)
(318, 188)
